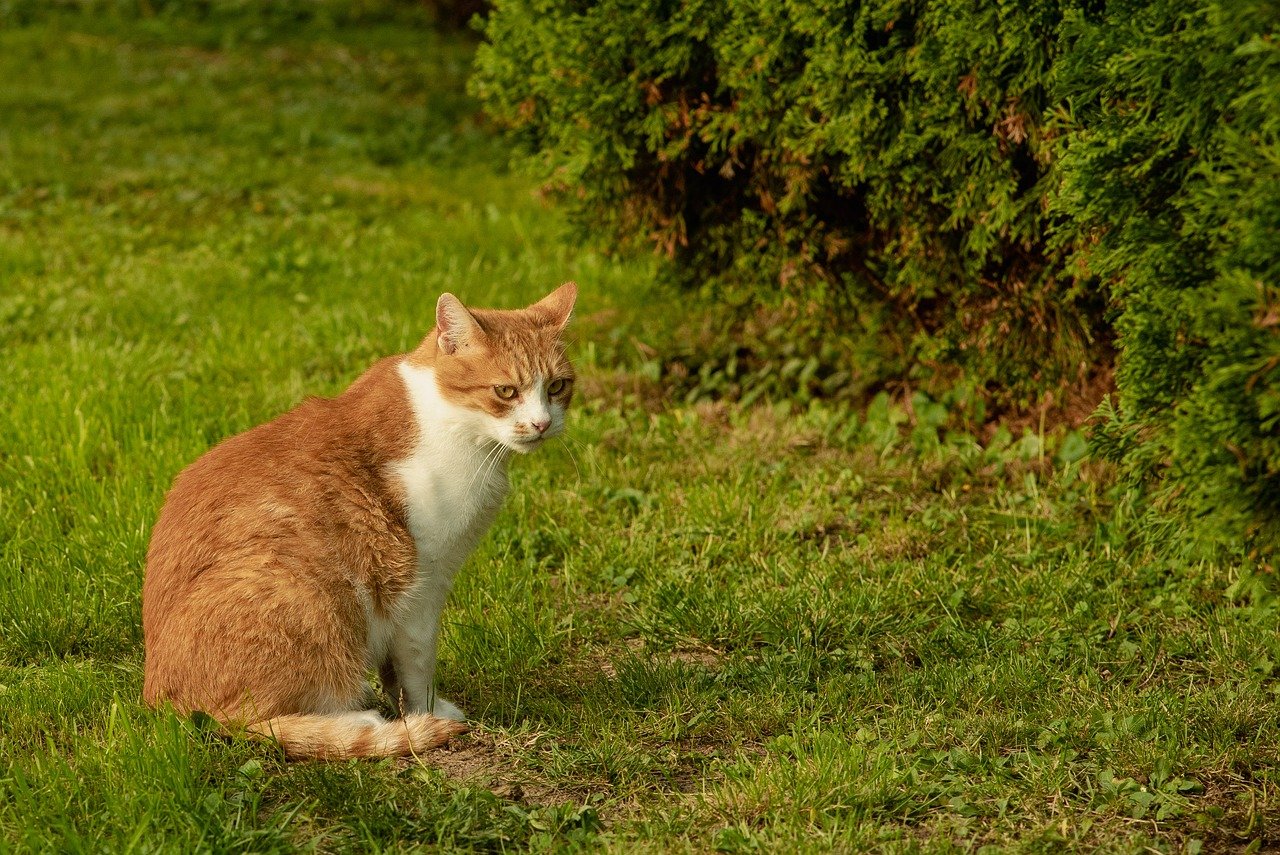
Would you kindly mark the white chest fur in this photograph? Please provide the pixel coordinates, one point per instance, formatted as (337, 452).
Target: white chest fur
(454, 482)
(455, 479)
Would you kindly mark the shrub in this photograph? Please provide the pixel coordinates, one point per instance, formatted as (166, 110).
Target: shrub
(994, 190)
(1171, 179)
(887, 161)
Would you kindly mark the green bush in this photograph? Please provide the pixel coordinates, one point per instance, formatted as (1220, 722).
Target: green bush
(992, 192)
(1171, 180)
(887, 161)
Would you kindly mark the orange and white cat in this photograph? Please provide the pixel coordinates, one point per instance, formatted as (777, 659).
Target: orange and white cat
(290, 561)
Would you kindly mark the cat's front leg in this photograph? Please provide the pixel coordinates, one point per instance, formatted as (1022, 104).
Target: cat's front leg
(413, 658)
(445, 709)
(416, 687)
(391, 685)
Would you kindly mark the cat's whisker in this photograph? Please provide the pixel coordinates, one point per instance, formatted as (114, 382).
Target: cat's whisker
(572, 456)
(497, 461)
(486, 465)
(492, 453)
(583, 448)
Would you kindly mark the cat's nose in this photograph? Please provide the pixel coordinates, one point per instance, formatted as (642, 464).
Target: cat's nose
(541, 427)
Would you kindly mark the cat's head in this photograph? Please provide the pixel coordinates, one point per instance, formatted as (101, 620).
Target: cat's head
(506, 369)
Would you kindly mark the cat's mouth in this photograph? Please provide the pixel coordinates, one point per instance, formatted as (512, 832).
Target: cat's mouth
(528, 443)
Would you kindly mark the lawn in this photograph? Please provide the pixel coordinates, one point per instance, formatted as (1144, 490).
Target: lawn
(695, 626)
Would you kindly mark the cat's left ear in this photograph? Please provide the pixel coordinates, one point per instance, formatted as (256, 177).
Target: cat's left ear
(556, 308)
(456, 328)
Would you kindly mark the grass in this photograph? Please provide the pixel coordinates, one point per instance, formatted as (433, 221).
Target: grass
(694, 627)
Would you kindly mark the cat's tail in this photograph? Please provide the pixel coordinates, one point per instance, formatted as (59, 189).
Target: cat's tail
(356, 734)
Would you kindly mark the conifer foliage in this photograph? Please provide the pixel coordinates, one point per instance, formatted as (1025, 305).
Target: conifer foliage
(1003, 189)
(1171, 194)
(889, 158)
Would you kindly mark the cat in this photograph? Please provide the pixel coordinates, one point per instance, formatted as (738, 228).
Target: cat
(290, 561)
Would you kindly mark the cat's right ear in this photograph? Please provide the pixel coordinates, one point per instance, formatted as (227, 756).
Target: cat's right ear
(455, 326)
(557, 307)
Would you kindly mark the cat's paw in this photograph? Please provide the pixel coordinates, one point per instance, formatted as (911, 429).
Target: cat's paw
(444, 709)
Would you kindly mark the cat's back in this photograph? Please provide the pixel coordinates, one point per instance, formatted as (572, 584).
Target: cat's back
(262, 460)
(218, 501)
(278, 464)
(278, 480)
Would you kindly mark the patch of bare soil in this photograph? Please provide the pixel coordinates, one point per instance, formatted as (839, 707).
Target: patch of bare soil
(601, 659)
(482, 758)
(706, 657)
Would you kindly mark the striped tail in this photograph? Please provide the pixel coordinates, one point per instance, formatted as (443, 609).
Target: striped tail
(356, 734)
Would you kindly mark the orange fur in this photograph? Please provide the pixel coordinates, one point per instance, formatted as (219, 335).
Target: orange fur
(275, 550)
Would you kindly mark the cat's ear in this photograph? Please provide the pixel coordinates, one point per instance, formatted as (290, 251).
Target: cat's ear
(556, 308)
(455, 326)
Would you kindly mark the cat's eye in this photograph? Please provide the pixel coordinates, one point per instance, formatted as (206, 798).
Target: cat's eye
(506, 393)
(555, 387)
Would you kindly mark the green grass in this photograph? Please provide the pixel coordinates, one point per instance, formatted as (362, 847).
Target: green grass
(693, 626)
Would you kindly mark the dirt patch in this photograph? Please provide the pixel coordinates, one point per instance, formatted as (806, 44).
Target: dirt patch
(705, 657)
(600, 659)
(482, 758)
(824, 529)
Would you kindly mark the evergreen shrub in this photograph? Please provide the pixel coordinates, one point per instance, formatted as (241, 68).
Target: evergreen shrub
(1171, 185)
(886, 162)
(996, 191)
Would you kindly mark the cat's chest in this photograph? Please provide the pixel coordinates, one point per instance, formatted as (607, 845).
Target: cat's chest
(451, 496)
